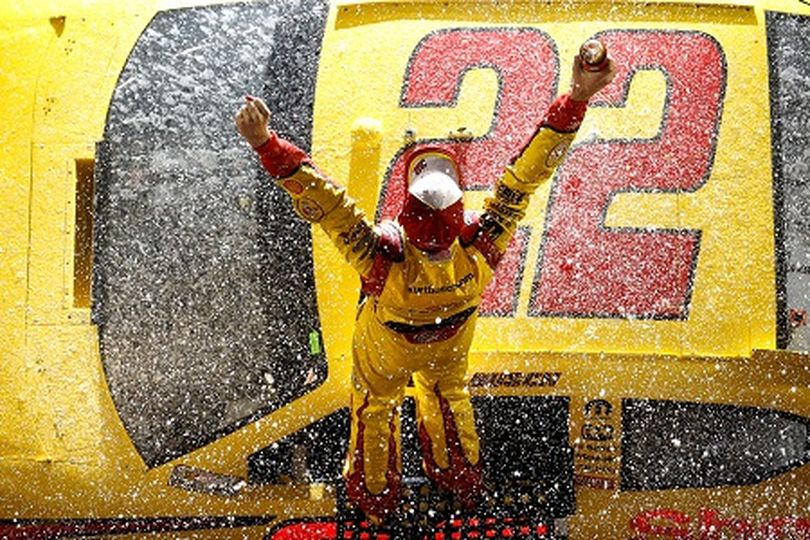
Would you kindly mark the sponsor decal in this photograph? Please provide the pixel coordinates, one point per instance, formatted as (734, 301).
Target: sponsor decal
(597, 427)
(309, 209)
(581, 480)
(362, 239)
(360, 230)
(508, 195)
(557, 153)
(596, 450)
(504, 210)
(711, 524)
(293, 186)
(532, 379)
(430, 289)
(491, 227)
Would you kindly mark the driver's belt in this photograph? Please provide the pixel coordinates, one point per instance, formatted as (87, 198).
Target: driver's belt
(429, 333)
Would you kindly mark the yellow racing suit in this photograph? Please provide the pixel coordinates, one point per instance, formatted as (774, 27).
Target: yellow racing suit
(419, 313)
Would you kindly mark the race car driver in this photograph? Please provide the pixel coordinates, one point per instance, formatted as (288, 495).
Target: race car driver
(422, 276)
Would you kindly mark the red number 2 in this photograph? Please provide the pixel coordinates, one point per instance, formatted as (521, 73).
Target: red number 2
(590, 270)
(526, 63)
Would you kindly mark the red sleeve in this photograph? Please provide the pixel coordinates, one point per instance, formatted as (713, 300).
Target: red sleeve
(565, 114)
(280, 157)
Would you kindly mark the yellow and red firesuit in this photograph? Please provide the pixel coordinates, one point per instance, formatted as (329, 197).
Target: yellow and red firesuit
(419, 312)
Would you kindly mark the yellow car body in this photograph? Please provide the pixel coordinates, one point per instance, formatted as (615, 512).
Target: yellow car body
(654, 287)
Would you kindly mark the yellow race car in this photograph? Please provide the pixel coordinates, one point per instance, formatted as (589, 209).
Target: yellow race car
(176, 343)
